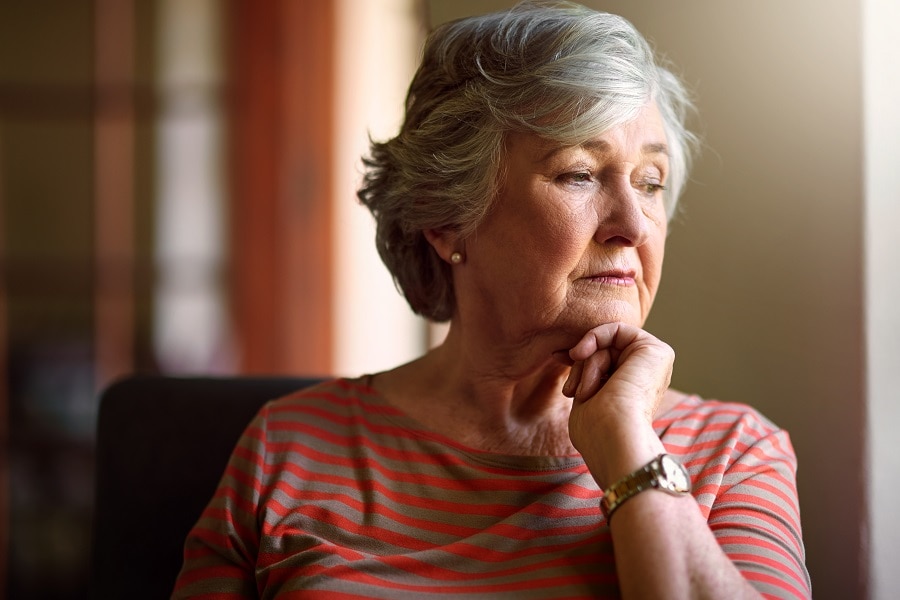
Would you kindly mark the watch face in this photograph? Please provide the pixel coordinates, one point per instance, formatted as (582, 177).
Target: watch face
(677, 477)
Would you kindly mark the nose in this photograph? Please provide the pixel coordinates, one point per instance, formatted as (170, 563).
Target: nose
(621, 217)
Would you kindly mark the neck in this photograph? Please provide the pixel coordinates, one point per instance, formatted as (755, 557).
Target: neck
(486, 396)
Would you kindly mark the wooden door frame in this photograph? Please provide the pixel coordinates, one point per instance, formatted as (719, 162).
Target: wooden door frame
(281, 90)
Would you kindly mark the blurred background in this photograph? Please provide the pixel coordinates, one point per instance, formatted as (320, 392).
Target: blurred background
(177, 183)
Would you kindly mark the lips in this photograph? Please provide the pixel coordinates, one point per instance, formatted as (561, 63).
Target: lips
(623, 277)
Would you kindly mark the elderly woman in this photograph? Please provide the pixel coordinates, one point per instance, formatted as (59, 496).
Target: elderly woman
(539, 451)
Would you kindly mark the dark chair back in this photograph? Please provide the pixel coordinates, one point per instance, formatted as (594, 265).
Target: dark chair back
(162, 446)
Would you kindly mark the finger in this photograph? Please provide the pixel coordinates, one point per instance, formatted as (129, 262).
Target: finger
(574, 380)
(608, 335)
(594, 375)
(586, 346)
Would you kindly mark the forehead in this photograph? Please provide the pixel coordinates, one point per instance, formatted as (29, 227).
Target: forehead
(643, 135)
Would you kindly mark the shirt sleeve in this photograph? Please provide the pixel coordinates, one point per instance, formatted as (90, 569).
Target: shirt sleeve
(221, 549)
(755, 515)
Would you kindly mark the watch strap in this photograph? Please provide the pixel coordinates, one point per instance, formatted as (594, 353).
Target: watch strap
(647, 477)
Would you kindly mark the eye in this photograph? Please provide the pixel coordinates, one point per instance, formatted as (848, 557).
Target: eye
(648, 180)
(576, 177)
(652, 188)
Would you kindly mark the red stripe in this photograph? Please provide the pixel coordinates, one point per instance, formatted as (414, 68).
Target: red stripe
(306, 429)
(306, 413)
(496, 510)
(393, 537)
(242, 530)
(428, 570)
(755, 559)
(753, 542)
(571, 490)
(797, 592)
(696, 449)
(486, 484)
(347, 573)
(216, 541)
(729, 497)
(722, 514)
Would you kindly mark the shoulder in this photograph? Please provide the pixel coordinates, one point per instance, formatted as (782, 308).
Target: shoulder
(693, 415)
(339, 406)
(332, 395)
(731, 448)
(723, 432)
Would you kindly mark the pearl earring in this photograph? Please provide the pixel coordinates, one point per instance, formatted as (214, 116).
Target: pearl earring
(456, 258)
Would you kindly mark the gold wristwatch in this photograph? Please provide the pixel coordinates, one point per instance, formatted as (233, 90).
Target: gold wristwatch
(662, 473)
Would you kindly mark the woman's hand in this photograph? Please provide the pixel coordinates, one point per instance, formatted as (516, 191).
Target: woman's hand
(619, 376)
(630, 366)
(663, 544)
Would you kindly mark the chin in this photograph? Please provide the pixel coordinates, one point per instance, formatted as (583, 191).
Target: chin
(599, 310)
(618, 313)
(574, 327)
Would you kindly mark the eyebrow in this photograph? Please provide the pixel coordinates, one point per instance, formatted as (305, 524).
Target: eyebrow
(648, 148)
(656, 148)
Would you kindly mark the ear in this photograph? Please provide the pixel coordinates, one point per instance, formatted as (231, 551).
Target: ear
(443, 241)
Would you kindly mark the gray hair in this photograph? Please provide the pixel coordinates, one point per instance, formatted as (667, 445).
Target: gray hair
(560, 70)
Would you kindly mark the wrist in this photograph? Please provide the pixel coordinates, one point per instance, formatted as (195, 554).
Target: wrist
(663, 473)
(613, 453)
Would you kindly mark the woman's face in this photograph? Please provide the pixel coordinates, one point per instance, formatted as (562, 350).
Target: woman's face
(576, 237)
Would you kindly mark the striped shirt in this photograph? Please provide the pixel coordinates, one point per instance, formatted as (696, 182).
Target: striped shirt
(333, 493)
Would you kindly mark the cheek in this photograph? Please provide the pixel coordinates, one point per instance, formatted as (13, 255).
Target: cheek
(552, 234)
(651, 263)
(565, 242)
(569, 229)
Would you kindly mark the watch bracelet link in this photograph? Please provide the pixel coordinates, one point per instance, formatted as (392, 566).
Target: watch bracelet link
(629, 486)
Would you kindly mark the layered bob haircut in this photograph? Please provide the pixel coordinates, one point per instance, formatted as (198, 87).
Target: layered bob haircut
(558, 70)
